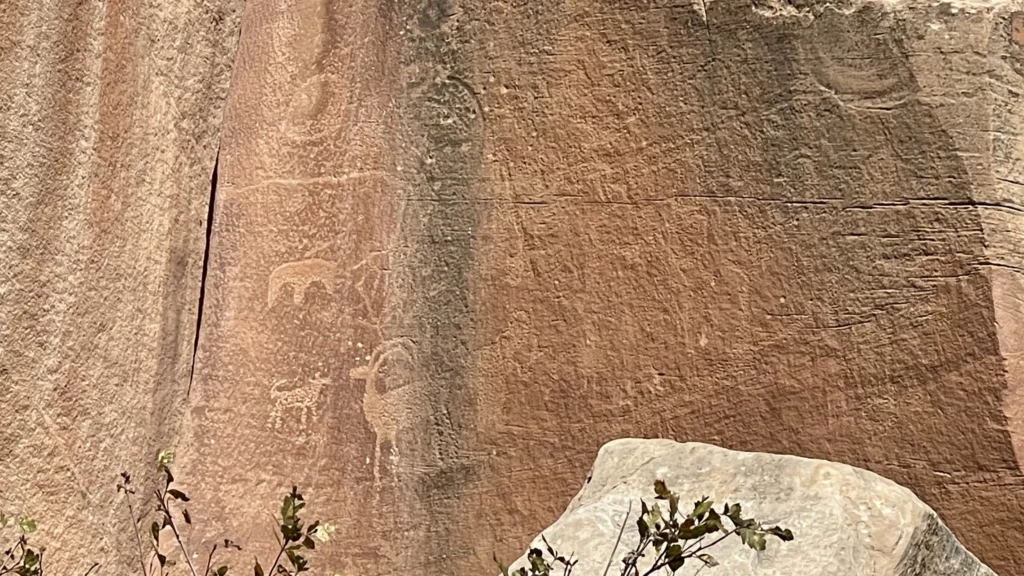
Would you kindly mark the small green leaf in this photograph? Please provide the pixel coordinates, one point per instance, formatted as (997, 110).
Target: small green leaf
(550, 550)
(30, 559)
(178, 495)
(713, 521)
(708, 560)
(221, 571)
(661, 490)
(752, 538)
(784, 534)
(257, 570)
(642, 527)
(734, 512)
(291, 532)
(26, 525)
(295, 558)
(321, 532)
(185, 515)
(154, 531)
(655, 516)
(701, 507)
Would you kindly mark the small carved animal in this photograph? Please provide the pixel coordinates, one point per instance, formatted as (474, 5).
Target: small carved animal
(304, 399)
(300, 275)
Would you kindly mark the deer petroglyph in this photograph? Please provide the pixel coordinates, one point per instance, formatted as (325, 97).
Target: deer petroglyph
(302, 399)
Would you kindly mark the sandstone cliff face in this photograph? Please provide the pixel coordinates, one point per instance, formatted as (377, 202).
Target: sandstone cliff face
(458, 245)
(110, 116)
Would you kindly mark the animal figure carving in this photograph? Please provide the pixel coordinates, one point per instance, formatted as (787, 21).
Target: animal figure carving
(300, 275)
(303, 399)
(390, 411)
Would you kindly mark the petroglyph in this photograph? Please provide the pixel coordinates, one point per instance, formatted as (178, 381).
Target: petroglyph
(864, 83)
(390, 411)
(300, 275)
(301, 400)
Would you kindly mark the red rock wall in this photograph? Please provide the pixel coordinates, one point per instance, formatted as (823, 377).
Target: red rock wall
(458, 245)
(471, 242)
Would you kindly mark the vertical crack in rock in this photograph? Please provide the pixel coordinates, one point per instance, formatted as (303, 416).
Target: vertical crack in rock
(206, 267)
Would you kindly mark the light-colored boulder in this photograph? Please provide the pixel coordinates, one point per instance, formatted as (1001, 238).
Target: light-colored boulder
(847, 521)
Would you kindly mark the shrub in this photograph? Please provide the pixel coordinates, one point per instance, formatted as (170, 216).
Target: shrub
(673, 539)
(23, 559)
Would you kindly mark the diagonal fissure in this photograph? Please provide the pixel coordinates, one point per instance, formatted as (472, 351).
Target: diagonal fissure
(206, 268)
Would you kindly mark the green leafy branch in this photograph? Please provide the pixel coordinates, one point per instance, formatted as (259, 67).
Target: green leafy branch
(20, 558)
(169, 500)
(171, 505)
(294, 538)
(670, 537)
(540, 566)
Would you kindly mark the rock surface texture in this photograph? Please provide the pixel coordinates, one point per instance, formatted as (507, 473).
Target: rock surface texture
(457, 245)
(847, 521)
(110, 115)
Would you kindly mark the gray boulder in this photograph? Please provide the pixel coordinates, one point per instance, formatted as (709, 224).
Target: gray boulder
(847, 521)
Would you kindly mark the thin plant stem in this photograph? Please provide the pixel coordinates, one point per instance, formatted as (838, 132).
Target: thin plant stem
(630, 567)
(91, 568)
(177, 535)
(694, 543)
(284, 544)
(10, 555)
(659, 562)
(724, 536)
(611, 557)
(20, 546)
(209, 561)
(135, 525)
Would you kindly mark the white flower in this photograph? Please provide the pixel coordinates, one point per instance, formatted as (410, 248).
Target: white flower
(164, 458)
(323, 532)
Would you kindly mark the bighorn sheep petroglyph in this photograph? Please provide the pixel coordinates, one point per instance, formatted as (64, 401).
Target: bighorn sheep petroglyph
(390, 411)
